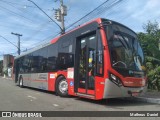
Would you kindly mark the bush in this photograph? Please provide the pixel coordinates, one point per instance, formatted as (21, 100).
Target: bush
(153, 73)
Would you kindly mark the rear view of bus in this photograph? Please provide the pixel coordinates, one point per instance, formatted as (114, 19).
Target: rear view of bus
(125, 74)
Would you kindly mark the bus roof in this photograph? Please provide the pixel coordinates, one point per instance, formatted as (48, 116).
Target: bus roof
(54, 40)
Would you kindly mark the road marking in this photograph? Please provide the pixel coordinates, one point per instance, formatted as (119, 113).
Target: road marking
(31, 97)
(56, 105)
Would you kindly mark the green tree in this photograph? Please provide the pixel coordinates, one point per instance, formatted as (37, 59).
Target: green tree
(150, 44)
(150, 39)
(151, 28)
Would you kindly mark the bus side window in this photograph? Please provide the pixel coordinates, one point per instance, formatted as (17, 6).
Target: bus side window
(43, 60)
(20, 62)
(52, 57)
(65, 54)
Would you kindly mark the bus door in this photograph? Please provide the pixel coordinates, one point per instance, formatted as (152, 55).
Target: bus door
(85, 65)
(16, 70)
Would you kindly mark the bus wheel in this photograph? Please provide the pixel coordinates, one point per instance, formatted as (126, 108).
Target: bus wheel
(21, 82)
(62, 87)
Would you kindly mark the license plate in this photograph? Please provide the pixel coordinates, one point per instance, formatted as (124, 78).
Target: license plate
(135, 94)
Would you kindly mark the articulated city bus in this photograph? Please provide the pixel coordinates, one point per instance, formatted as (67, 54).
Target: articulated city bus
(98, 60)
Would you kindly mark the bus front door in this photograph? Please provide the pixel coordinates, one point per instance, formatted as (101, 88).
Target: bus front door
(85, 65)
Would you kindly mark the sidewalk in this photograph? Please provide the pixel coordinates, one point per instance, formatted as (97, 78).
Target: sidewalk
(9, 78)
(149, 97)
(154, 94)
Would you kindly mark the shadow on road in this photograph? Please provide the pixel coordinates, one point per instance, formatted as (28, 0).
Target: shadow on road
(112, 102)
(115, 102)
(39, 90)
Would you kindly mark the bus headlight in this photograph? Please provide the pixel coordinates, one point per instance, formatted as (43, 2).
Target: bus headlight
(115, 79)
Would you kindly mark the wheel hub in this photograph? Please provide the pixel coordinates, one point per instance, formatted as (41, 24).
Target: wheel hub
(63, 86)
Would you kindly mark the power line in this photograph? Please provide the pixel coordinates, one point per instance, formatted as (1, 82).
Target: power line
(47, 38)
(92, 12)
(62, 14)
(108, 6)
(13, 4)
(8, 41)
(105, 7)
(98, 12)
(46, 14)
(12, 12)
(95, 12)
(16, 14)
(86, 15)
(9, 53)
(40, 28)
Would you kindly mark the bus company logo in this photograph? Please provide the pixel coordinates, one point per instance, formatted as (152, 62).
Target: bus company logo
(42, 76)
(6, 114)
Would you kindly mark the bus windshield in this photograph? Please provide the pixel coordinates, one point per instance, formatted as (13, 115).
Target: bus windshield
(125, 49)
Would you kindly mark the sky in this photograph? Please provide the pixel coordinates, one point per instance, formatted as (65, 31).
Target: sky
(23, 17)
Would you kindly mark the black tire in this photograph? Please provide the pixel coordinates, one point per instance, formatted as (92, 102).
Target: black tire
(21, 82)
(62, 87)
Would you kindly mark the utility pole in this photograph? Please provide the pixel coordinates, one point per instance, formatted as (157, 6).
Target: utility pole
(62, 16)
(19, 35)
(46, 14)
(59, 15)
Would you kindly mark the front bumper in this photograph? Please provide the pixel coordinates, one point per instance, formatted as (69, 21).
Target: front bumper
(111, 90)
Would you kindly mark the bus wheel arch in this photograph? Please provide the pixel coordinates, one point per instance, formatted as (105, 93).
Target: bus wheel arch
(61, 86)
(21, 81)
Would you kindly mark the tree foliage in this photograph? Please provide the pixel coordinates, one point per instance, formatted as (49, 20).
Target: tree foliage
(150, 44)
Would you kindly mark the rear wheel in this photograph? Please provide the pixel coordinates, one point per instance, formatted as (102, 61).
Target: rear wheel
(21, 82)
(62, 87)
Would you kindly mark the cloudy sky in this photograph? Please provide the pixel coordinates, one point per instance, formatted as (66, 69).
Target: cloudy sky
(23, 17)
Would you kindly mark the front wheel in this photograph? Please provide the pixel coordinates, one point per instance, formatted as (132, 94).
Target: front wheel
(62, 87)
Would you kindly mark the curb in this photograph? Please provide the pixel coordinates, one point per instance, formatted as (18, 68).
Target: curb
(144, 99)
(148, 100)
(8, 78)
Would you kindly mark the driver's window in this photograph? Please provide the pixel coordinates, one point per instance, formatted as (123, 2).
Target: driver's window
(118, 51)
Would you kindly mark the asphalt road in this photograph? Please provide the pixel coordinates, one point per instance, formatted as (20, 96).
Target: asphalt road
(14, 98)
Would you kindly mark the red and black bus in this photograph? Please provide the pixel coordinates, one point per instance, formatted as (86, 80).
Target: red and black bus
(98, 60)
